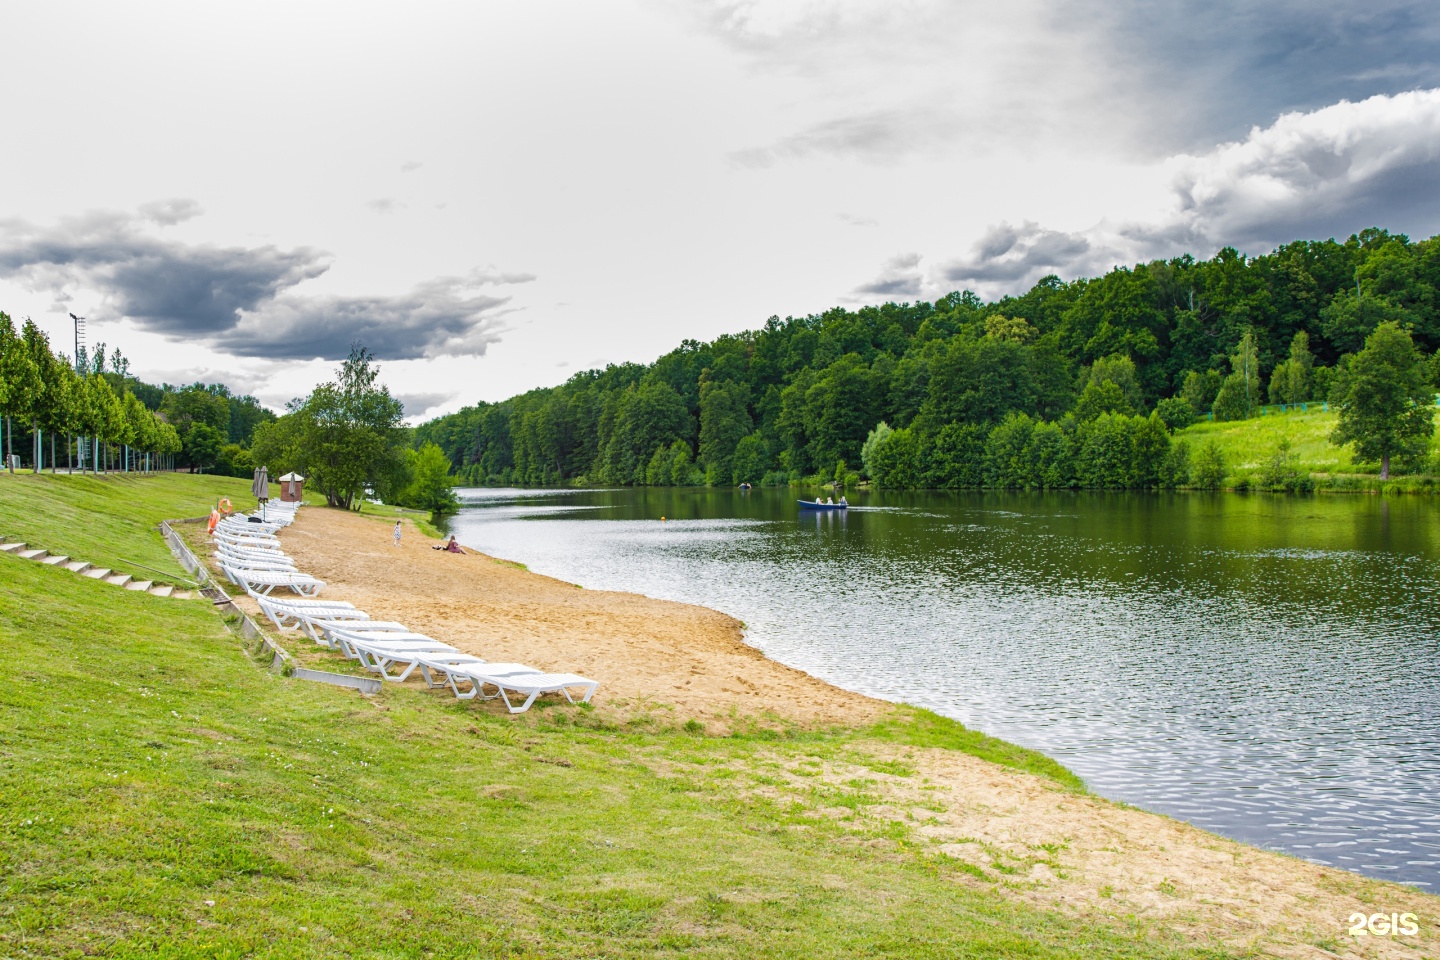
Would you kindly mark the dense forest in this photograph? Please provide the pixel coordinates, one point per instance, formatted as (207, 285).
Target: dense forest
(1071, 384)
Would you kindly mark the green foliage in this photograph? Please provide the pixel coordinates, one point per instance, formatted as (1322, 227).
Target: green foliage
(1281, 472)
(1175, 412)
(429, 484)
(1100, 398)
(344, 437)
(877, 436)
(202, 446)
(1207, 470)
(1349, 319)
(724, 423)
(1239, 396)
(1387, 404)
(1201, 389)
(1291, 380)
(813, 389)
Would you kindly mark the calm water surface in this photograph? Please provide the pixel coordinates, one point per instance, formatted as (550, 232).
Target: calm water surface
(1264, 667)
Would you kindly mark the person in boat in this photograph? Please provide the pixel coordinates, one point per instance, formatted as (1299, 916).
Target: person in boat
(843, 503)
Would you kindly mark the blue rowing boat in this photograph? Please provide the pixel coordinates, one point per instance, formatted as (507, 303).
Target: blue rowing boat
(815, 505)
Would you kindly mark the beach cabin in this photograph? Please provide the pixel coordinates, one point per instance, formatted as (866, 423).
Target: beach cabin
(292, 488)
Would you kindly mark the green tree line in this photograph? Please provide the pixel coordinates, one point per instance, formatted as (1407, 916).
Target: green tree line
(1078, 383)
(88, 412)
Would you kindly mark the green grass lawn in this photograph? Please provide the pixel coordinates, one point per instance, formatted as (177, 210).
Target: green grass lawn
(161, 795)
(110, 519)
(1248, 444)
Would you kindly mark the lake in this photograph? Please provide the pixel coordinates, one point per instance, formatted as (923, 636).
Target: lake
(1262, 666)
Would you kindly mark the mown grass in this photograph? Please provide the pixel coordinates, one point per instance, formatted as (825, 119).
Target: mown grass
(110, 518)
(162, 795)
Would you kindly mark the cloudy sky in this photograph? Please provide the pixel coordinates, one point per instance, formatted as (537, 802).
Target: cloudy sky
(495, 196)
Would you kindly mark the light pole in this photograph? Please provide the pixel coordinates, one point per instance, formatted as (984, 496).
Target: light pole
(79, 336)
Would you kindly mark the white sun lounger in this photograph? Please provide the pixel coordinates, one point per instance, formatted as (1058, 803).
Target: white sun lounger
(264, 581)
(243, 540)
(376, 652)
(256, 562)
(525, 681)
(293, 614)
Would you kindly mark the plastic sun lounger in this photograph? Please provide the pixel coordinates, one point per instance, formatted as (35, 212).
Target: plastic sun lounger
(245, 553)
(244, 540)
(377, 652)
(290, 613)
(312, 618)
(526, 681)
(252, 563)
(256, 558)
(265, 581)
(268, 540)
(318, 624)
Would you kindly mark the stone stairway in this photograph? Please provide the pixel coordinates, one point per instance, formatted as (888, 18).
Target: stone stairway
(155, 588)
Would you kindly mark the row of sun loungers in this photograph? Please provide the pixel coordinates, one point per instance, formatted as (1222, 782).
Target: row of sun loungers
(249, 553)
(251, 556)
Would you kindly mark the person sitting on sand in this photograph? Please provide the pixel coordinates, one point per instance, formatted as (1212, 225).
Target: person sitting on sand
(451, 547)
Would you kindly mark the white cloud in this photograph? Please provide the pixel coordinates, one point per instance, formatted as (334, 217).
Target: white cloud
(1328, 172)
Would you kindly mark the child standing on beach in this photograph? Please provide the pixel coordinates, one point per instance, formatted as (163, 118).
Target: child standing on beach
(397, 533)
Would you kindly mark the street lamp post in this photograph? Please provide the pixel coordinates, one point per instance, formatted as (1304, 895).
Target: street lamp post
(79, 336)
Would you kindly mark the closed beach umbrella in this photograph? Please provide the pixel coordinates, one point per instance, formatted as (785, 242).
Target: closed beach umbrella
(261, 487)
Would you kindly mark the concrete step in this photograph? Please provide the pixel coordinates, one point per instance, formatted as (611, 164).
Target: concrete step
(118, 580)
(11, 547)
(33, 554)
(98, 573)
(138, 585)
(78, 566)
(183, 595)
(162, 590)
(55, 560)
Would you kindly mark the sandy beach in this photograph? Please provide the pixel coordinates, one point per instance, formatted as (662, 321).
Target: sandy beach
(675, 662)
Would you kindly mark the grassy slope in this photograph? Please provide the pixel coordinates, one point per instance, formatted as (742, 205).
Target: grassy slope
(1248, 444)
(149, 768)
(107, 520)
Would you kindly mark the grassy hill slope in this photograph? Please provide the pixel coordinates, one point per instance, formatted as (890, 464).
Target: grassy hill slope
(109, 519)
(1248, 444)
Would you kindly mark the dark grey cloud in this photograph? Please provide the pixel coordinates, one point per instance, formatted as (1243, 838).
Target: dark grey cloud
(419, 404)
(166, 286)
(1007, 253)
(1212, 71)
(900, 278)
(932, 76)
(446, 316)
(243, 299)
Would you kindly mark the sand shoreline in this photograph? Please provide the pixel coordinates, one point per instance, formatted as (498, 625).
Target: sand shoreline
(663, 663)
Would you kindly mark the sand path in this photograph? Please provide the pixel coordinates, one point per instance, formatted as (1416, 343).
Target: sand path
(690, 661)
